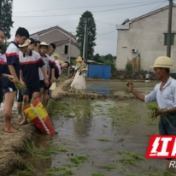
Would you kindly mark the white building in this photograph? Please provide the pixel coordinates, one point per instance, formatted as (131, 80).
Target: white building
(147, 36)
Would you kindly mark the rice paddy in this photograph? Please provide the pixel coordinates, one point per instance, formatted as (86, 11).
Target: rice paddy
(97, 138)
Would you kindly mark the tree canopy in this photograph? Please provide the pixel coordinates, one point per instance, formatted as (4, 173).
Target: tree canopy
(86, 19)
(6, 16)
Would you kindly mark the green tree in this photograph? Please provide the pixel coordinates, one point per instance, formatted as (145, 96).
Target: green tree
(96, 57)
(6, 16)
(86, 19)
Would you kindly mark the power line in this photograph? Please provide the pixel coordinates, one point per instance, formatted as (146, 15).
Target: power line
(92, 12)
(88, 7)
(158, 5)
(107, 33)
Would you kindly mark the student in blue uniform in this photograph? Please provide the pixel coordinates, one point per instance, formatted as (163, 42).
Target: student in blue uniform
(2, 64)
(52, 62)
(52, 78)
(30, 62)
(43, 49)
(31, 46)
(12, 55)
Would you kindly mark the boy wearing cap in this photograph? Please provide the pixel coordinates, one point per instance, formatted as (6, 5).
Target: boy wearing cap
(31, 47)
(43, 49)
(12, 55)
(30, 62)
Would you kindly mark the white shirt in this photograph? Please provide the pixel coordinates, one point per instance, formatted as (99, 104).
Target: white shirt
(166, 98)
(46, 62)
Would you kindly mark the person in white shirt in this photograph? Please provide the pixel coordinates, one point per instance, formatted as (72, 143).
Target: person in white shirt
(165, 95)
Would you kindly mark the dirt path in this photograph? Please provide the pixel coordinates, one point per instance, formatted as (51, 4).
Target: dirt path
(12, 144)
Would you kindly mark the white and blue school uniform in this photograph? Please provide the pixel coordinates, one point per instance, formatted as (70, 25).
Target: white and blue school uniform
(166, 99)
(3, 65)
(45, 59)
(58, 69)
(12, 58)
(29, 65)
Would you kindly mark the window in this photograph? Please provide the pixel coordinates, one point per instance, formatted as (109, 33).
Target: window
(172, 38)
(66, 49)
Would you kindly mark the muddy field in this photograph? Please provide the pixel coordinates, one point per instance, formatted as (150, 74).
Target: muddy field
(96, 138)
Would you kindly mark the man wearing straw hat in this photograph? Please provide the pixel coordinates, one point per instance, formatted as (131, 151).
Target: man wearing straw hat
(165, 95)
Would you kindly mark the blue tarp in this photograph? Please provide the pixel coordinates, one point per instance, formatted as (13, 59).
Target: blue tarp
(99, 71)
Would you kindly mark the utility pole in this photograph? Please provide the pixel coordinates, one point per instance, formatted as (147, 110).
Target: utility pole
(169, 29)
(85, 37)
(69, 53)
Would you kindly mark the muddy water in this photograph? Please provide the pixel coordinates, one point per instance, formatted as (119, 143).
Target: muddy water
(113, 87)
(107, 132)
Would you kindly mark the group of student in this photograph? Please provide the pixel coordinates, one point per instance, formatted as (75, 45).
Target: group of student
(31, 63)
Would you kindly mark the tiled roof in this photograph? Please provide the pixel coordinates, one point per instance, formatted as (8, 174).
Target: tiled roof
(53, 28)
(61, 42)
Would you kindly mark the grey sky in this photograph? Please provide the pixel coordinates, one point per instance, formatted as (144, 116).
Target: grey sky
(66, 14)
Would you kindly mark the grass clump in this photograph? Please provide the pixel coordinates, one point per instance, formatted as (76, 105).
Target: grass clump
(108, 167)
(152, 110)
(78, 159)
(28, 171)
(97, 174)
(54, 150)
(130, 158)
(60, 171)
(43, 157)
(104, 140)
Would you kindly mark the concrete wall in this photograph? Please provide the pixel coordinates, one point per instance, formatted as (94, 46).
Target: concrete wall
(147, 36)
(75, 51)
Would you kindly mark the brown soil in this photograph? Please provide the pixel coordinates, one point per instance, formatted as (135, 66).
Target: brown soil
(12, 144)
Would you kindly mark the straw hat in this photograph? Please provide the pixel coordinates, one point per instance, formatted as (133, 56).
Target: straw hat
(45, 44)
(26, 43)
(57, 57)
(79, 59)
(163, 62)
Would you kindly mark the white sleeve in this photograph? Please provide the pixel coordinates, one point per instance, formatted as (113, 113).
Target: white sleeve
(151, 96)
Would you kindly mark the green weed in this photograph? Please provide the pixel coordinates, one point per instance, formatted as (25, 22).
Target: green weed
(97, 174)
(108, 167)
(60, 171)
(129, 158)
(54, 150)
(43, 157)
(78, 159)
(104, 140)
